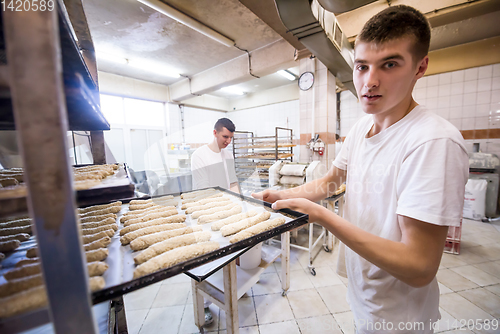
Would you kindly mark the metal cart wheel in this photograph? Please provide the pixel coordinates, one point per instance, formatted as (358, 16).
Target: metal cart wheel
(326, 248)
(313, 271)
(284, 293)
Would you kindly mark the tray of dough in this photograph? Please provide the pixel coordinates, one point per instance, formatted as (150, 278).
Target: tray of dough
(131, 245)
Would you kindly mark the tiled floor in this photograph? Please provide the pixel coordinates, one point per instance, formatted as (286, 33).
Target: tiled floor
(469, 285)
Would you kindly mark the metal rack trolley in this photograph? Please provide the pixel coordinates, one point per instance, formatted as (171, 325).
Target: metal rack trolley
(248, 153)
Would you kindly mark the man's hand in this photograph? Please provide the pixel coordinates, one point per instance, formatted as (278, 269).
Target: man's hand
(268, 195)
(315, 211)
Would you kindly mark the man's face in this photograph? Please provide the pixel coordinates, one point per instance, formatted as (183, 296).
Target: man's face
(384, 75)
(223, 137)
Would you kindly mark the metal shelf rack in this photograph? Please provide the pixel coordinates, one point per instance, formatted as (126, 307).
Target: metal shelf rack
(254, 155)
(49, 86)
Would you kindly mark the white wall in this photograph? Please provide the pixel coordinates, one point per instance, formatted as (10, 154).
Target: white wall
(262, 120)
(198, 124)
(271, 96)
(469, 99)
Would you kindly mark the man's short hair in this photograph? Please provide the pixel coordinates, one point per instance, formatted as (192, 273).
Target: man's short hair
(224, 123)
(398, 22)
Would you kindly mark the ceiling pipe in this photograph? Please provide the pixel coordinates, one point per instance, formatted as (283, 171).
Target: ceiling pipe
(173, 13)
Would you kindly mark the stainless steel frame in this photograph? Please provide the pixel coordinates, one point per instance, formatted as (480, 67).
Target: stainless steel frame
(36, 84)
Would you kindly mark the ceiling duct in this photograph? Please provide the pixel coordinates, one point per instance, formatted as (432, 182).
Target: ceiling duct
(342, 6)
(318, 30)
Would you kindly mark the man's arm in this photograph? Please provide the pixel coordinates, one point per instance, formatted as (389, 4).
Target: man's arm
(314, 191)
(414, 260)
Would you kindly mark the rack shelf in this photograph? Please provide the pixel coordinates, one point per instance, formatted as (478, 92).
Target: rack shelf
(46, 89)
(254, 156)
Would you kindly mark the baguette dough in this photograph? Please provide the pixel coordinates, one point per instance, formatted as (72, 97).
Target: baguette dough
(129, 237)
(91, 255)
(219, 215)
(158, 221)
(170, 202)
(208, 206)
(15, 230)
(9, 246)
(27, 270)
(140, 206)
(111, 209)
(99, 207)
(197, 193)
(96, 255)
(245, 223)
(151, 200)
(174, 256)
(233, 219)
(107, 221)
(91, 219)
(35, 298)
(198, 214)
(256, 229)
(169, 244)
(151, 216)
(8, 181)
(96, 268)
(132, 215)
(204, 201)
(103, 242)
(20, 236)
(23, 301)
(105, 228)
(16, 223)
(20, 284)
(196, 199)
(26, 261)
(93, 237)
(151, 239)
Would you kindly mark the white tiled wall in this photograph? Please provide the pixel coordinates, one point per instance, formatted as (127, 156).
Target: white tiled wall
(469, 99)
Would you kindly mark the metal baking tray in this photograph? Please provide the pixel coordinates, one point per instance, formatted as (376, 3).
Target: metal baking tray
(112, 189)
(119, 275)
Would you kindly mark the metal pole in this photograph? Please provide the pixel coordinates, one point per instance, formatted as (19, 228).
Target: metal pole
(98, 147)
(34, 60)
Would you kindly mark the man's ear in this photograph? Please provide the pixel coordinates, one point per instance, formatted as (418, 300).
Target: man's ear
(215, 132)
(422, 67)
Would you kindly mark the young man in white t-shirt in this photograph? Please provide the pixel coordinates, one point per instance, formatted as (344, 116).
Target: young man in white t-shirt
(211, 164)
(405, 170)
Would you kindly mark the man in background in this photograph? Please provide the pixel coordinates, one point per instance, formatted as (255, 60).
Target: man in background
(211, 164)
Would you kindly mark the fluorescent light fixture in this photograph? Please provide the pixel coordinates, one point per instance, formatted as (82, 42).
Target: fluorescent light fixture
(286, 75)
(111, 58)
(232, 90)
(173, 13)
(153, 67)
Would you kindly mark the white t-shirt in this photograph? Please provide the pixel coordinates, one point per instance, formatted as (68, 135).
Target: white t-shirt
(418, 168)
(212, 169)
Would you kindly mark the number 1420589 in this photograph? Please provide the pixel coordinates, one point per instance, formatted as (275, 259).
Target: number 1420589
(27, 5)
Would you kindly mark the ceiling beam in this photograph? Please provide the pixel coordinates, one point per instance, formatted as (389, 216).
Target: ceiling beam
(266, 60)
